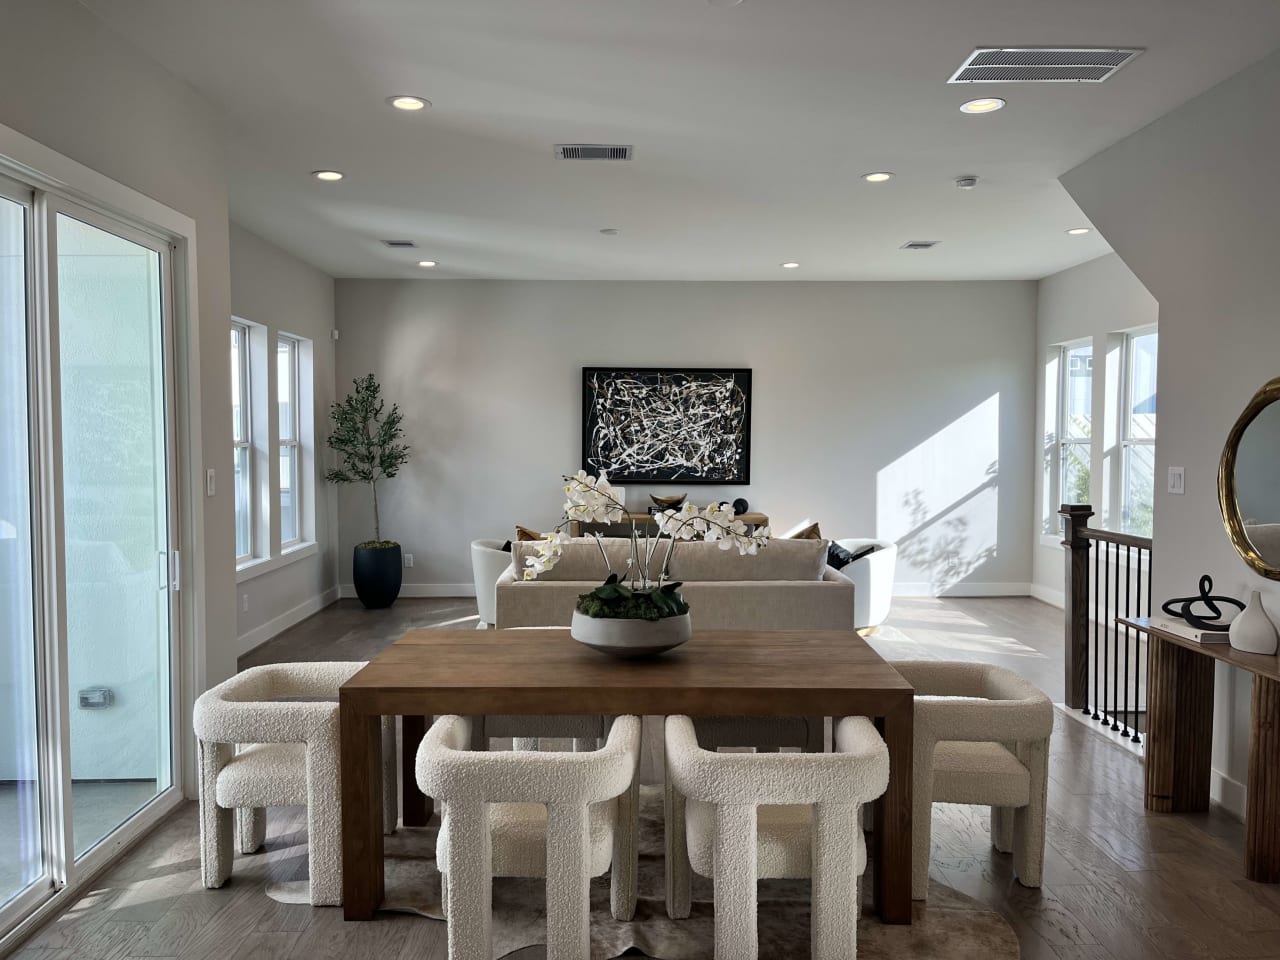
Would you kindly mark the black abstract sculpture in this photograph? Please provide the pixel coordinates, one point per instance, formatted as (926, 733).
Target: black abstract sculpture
(1181, 607)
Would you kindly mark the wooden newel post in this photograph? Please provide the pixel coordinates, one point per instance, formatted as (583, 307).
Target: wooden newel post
(1076, 594)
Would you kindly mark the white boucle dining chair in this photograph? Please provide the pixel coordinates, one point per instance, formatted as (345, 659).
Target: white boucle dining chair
(785, 815)
(268, 737)
(523, 814)
(982, 737)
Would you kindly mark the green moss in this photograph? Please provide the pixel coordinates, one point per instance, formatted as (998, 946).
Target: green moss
(377, 545)
(616, 601)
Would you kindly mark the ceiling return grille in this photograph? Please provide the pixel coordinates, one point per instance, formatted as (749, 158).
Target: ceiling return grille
(1043, 64)
(593, 151)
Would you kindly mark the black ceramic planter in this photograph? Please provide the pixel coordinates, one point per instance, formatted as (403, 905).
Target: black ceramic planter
(377, 572)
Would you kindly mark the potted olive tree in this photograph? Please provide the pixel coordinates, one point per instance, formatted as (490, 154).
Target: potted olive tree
(369, 448)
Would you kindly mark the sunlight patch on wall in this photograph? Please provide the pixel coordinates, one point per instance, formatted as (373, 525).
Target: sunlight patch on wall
(940, 500)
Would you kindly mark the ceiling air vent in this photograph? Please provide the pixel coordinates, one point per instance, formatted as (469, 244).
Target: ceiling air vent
(593, 151)
(920, 244)
(1043, 64)
(400, 244)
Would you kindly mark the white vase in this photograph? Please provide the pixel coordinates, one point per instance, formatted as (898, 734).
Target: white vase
(1252, 631)
(630, 638)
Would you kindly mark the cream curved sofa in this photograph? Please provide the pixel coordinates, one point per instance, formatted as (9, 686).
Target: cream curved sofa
(785, 815)
(524, 814)
(873, 580)
(258, 750)
(786, 586)
(488, 560)
(981, 737)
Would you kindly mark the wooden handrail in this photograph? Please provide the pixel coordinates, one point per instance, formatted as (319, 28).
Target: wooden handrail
(1124, 539)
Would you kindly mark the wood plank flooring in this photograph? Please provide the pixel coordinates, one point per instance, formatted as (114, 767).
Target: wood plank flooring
(1120, 883)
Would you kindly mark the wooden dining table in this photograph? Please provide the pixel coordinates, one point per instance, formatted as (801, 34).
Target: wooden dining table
(799, 673)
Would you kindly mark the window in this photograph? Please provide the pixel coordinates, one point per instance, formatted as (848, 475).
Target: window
(1138, 433)
(287, 390)
(1075, 423)
(241, 435)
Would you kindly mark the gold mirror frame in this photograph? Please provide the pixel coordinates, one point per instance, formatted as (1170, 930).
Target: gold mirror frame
(1227, 501)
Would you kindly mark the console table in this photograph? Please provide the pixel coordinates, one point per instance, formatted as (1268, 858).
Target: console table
(752, 519)
(1180, 731)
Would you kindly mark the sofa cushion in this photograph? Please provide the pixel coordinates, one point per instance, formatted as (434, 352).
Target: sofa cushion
(809, 531)
(581, 560)
(698, 560)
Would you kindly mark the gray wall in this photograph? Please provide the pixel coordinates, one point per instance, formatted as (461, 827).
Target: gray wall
(279, 291)
(865, 395)
(1092, 301)
(1191, 204)
(75, 86)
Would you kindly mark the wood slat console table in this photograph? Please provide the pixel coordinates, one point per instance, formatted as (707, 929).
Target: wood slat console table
(546, 672)
(1180, 731)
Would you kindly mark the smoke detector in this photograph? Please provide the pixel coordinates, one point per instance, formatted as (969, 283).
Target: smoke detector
(594, 151)
(1043, 64)
(920, 244)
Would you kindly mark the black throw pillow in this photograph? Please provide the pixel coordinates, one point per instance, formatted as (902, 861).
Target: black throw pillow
(838, 557)
(506, 547)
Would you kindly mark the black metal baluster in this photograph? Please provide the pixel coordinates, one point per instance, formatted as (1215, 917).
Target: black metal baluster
(1097, 595)
(1115, 666)
(1138, 661)
(1106, 636)
(1128, 601)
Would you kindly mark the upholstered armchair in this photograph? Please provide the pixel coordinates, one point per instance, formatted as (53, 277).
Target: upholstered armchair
(873, 580)
(268, 737)
(784, 815)
(524, 814)
(982, 737)
(488, 562)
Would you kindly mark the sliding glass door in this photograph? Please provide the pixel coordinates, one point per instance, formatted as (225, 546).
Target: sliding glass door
(88, 571)
(111, 303)
(23, 862)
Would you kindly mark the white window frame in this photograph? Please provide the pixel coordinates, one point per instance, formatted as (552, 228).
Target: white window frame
(241, 331)
(1063, 439)
(1124, 407)
(293, 443)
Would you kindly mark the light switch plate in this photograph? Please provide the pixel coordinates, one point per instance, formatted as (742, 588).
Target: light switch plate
(1177, 481)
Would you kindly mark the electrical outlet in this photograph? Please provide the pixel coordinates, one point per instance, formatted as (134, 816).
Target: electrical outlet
(408, 559)
(1177, 481)
(244, 603)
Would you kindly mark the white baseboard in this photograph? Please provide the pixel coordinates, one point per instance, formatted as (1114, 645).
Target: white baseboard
(963, 589)
(1227, 793)
(276, 625)
(1055, 598)
(423, 590)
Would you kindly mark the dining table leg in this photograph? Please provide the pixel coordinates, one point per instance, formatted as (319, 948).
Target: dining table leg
(892, 837)
(416, 806)
(360, 772)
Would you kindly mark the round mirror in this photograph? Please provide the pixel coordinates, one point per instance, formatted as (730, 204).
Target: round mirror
(1249, 482)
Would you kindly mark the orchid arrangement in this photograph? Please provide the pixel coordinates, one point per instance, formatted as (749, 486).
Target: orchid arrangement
(591, 499)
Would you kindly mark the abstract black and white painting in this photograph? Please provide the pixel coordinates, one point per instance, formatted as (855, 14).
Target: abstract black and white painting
(658, 424)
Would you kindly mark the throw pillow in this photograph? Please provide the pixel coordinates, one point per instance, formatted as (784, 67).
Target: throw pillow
(524, 534)
(506, 547)
(838, 557)
(811, 532)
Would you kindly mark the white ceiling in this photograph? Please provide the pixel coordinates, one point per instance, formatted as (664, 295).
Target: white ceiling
(751, 126)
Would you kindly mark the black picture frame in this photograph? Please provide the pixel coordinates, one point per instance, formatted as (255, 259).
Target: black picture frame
(729, 419)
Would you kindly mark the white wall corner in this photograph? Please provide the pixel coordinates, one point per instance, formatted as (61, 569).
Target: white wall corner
(277, 625)
(1055, 598)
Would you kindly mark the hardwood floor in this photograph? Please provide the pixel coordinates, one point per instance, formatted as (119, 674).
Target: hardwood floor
(1119, 884)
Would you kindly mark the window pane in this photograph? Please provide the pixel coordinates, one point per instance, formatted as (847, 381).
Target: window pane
(286, 387)
(21, 860)
(244, 510)
(1139, 487)
(115, 516)
(1075, 473)
(1077, 405)
(237, 385)
(1141, 424)
(288, 494)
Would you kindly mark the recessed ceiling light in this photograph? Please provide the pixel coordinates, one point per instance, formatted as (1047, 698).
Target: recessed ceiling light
(789, 265)
(983, 105)
(1079, 231)
(610, 231)
(428, 264)
(408, 103)
(880, 176)
(329, 176)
